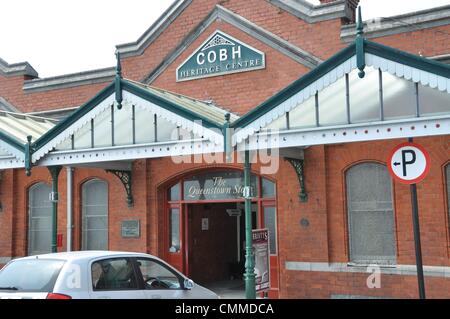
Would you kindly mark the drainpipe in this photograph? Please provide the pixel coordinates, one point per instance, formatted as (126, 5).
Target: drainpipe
(54, 172)
(250, 289)
(69, 171)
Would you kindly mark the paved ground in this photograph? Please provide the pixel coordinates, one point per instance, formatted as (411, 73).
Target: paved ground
(230, 289)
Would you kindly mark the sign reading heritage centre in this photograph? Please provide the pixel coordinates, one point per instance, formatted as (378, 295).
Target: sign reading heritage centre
(220, 54)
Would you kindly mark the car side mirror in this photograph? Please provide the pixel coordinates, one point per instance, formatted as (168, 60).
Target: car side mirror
(188, 284)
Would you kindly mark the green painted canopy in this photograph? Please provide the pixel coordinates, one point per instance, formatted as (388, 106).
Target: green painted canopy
(16, 127)
(398, 63)
(206, 121)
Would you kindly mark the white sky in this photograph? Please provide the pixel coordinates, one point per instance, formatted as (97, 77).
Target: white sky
(58, 37)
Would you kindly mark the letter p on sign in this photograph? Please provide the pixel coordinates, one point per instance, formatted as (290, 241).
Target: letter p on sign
(409, 163)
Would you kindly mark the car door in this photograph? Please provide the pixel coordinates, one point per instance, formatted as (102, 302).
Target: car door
(114, 278)
(159, 280)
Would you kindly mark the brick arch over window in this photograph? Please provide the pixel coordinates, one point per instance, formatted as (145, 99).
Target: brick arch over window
(370, 212)
(39, 219)
(94, 215)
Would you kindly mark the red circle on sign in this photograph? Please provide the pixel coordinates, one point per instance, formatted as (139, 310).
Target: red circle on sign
(419, 178)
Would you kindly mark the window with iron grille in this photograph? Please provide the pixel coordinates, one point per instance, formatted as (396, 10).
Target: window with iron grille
(39, 219)
(95, 215)
(370, 214)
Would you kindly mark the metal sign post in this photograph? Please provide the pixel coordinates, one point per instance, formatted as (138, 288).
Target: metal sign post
(418, 246)
(409, 163)
(54, 172)
(250, 292)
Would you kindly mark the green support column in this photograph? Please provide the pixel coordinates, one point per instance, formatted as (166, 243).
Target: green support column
(250, 290)
(54, 172)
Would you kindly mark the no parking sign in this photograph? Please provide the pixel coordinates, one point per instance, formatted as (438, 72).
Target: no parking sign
(409, 163)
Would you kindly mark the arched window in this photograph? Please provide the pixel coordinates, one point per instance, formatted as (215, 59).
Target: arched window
(370, 214)
(95, 215)
(39, 219)
(447, 173)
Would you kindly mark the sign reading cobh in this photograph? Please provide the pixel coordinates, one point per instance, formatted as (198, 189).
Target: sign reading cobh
(220, 54)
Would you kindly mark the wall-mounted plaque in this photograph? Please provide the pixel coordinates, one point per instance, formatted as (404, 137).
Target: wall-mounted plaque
(131, 229)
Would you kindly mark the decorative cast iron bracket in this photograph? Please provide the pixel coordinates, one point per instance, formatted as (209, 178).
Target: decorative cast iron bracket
(299, 169)
(28, 156)
(125, 178)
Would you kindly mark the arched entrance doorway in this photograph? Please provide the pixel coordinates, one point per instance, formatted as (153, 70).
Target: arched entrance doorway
(205, 233)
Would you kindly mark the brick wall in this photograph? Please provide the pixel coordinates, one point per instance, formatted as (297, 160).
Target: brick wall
(14, 218)
(325, 239)
(235, 92)
(11, 89)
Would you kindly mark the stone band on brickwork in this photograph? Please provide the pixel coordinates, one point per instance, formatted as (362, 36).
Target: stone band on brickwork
(404, 270)
(409, 22)
(22, 68)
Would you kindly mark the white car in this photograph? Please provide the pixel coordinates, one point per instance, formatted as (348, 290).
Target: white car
(96, 275)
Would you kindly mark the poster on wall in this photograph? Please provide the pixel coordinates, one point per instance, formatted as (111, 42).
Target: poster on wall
(205, 224)
(262, 259)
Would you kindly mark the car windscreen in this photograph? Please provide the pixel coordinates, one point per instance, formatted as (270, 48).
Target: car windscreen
(30, 275)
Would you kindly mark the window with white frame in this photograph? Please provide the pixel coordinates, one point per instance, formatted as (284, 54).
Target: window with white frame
(39, 219)
(95, 215)
(370, 214)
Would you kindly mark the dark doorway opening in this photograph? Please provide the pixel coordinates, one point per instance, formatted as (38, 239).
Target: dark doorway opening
(203, 238)
(216, 243)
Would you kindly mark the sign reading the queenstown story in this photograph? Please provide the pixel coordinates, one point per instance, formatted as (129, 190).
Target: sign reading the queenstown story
(217, 185)
(220, 54)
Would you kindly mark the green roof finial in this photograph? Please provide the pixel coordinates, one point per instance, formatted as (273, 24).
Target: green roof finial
(359, 24)
(118, 67)
(227, 137)
(118, 84)
(360, 55)
(28, 154)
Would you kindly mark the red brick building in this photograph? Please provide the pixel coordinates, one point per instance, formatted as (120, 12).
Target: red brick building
(273, 66)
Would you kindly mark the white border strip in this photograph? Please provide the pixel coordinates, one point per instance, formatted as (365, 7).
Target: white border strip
(404, 270)
(129, 152)
(413, 127)
(11, 162)
(409, 73)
